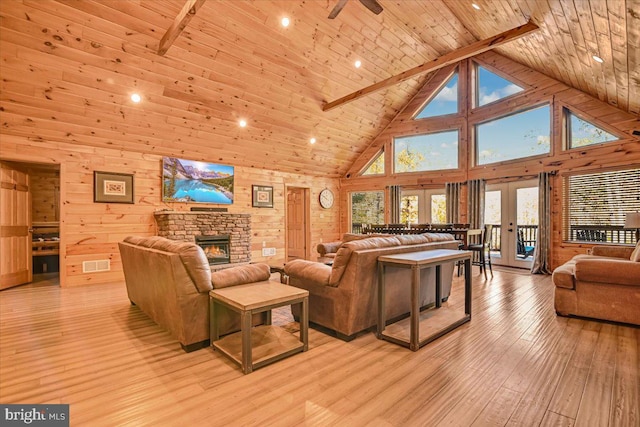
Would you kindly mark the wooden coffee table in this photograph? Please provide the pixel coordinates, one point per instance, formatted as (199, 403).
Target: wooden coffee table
(254, 347)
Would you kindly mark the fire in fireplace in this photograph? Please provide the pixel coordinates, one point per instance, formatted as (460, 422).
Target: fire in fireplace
(216, 248)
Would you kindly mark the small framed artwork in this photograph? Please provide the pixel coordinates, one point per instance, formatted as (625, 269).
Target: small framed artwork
(110, 187)
(262, 196)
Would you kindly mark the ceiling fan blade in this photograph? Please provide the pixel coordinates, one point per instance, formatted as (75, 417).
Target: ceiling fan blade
(337, 8)
(372, 5)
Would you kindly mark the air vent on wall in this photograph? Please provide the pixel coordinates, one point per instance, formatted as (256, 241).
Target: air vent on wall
(96, 266)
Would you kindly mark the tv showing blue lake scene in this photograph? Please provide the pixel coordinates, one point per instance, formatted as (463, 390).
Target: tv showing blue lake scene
(191, 181)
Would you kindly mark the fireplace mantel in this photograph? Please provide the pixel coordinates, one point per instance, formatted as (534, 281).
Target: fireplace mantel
(184, 226)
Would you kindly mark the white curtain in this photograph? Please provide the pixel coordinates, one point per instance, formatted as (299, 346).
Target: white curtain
(541, 255)
(452, 194)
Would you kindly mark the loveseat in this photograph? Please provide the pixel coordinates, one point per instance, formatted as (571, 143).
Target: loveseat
(604, 284)
(343, 296)
(170, 282)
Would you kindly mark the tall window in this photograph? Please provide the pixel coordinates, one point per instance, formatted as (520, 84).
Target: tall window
(367, 207)
(595, 206)
(581, 132)
(445, 101)
(428, 152)
(519, 135)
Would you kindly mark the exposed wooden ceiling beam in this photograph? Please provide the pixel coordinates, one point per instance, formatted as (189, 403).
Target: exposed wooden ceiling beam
(442, 61)
(188, 11)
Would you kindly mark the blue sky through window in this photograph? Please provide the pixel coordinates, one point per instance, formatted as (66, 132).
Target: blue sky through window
(445, 102)
(492, 87)
(524, 134)
(584, 133)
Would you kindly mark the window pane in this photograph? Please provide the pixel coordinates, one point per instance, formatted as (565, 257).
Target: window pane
(595, 206)
(438, 209)
(376, 167)
(367, 207)
(434, 151)
(409, 210)
(581, 133)
(517, 136)
(492, 87)
(445, 102)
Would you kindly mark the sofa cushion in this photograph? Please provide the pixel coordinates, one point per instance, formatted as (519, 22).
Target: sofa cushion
(412, 239)
(350, 237)
(439, 237)
(563, 276)
(240, 275)
(635, 255)
(344, 253)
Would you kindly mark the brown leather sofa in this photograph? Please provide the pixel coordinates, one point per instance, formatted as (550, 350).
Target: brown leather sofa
(170, 282)
(328, 250)
(342, 297)
(604, 284)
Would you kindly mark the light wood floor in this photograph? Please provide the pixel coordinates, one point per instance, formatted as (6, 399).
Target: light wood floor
(515, 363)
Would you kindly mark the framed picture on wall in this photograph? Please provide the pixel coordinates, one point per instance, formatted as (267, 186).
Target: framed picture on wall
(111, 187)
(262, 196)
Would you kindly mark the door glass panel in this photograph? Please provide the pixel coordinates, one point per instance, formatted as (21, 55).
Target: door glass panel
(438, 208)
(527, 222)
(409, 209)
(493, 215)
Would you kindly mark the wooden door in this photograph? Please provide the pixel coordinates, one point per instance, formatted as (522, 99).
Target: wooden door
(296, 224)
(15, 227)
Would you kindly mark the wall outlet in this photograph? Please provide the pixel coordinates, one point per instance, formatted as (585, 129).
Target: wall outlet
(268, 251)
(96, 266)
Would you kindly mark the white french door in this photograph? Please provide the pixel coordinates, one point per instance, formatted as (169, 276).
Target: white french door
(513, 210)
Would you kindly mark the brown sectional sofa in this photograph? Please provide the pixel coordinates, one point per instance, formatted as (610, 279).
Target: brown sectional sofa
(342, 297)
(170, 282)
(604, 284)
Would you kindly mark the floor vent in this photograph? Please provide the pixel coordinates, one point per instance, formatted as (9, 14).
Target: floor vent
(96, 266)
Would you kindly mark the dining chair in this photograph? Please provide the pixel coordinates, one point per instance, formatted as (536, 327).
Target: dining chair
(483, 251)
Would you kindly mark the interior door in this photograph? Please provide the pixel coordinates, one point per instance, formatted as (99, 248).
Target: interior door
(296, 223)
(15, 226)
(512, 208)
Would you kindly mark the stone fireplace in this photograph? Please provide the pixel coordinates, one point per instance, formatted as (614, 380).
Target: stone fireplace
(218, 231)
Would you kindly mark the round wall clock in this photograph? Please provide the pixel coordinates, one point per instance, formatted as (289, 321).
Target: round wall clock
(326, 198)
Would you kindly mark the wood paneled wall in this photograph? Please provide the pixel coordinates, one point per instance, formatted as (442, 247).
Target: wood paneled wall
(538, 89)
(91, 231)
(45, 195)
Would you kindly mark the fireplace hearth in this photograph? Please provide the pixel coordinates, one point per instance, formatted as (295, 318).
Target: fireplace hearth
(216, 248)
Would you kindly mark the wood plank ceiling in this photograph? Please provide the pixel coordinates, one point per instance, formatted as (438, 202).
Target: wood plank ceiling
(68, 69)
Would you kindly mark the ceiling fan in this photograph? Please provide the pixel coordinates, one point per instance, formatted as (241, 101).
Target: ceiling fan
(372, 5)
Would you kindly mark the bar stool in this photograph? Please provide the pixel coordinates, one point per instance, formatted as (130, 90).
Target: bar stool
(484, 251)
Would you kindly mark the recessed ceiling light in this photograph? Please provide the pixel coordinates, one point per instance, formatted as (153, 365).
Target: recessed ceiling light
(312, 141)
(475, 6)
(136, 98)
(358, 63)
(597, 59)
(242, 123)
(285, 22)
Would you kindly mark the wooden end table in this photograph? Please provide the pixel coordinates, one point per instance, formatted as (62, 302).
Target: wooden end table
(254, 347)
(417, 261)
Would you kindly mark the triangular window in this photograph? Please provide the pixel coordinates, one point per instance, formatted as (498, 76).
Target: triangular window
(491, 87)
(445, 101)
(581, 132)
(376, 167)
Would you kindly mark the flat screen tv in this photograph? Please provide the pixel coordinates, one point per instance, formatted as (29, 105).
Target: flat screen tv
(190, 181)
